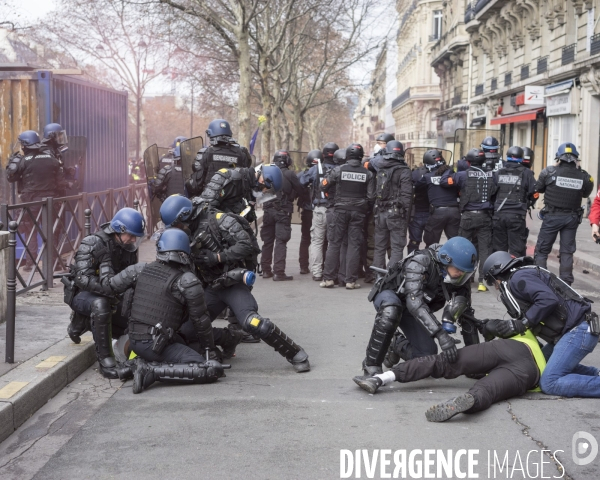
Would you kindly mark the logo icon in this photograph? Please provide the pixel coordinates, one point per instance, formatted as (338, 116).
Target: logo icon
(584, 448)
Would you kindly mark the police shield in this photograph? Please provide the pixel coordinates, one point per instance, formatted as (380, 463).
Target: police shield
(74, 160)
(414, 155)
(152, 166)
(189, 150)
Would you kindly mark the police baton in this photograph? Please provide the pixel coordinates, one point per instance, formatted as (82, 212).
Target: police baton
(224, 365)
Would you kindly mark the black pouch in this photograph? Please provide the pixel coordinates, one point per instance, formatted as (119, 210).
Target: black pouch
(594, 321)
(70, 289)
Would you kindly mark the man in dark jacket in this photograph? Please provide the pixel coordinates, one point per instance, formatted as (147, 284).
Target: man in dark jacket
(276, 228)
(392, 205)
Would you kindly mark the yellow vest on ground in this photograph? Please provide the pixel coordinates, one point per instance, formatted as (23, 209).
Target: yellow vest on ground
(529, 339)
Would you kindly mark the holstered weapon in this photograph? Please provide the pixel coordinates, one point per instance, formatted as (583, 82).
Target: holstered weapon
(161, 338)
(70, 289)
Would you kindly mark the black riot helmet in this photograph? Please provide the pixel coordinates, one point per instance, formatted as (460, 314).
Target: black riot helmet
(385, 137)
(282, 159)
(514, 154)
(394, 150)
(491, 147)
(339, 157)
(355, 152)
(528, 157)
(329, 149)
(499, 264)
(475, 156)
(312, 157)
(432, 159)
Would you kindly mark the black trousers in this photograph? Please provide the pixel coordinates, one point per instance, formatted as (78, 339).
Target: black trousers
(238, 297)
(82, 303)
(306, 217)
(350, 224)
(275, 232)
(510, 233)
(416, 227)
(367, 251)
(390, 230)
(553, 224)
(443, 219)
(176, 352)
(478, 225)
(509, 365)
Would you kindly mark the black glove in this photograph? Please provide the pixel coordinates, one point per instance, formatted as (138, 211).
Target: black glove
(447, 345)
(504, 328)
(208, 258)
(216, 354)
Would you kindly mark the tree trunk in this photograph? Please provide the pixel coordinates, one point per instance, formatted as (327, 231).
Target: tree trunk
(298, 129)
(244, 104)
(267, 105)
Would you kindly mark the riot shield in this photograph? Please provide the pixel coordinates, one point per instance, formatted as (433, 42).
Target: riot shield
(414, 155)
(189, 150)
(297, 160)
(74, 160)
(467, 138)
(152, 166)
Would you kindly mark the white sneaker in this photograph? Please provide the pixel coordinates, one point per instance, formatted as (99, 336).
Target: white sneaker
(352, 286)
(326, 284)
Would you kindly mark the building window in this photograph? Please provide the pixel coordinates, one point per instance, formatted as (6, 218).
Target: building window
(437, 24)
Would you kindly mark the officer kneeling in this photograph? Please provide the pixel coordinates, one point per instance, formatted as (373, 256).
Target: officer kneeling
(166, 292)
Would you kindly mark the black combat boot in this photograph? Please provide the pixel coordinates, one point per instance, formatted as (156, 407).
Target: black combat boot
(229, 340)
(384, 327)
(446, 410)
(78, 326)
(148, 373)
(286, 347)
(102, 327)
(368, 383)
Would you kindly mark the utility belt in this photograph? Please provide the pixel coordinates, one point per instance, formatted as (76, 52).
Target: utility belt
(487, 211)
(433, 208)
(549, 210)
(391, 206)
(159, 335)
(594, 322)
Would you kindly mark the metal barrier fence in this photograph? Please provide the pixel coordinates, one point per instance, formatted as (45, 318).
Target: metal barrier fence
(50, 230)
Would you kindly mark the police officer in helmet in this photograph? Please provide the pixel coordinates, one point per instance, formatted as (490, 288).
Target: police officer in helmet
(354, 198)
(564, 187)
(491, 148)
(306, 209)
(223, 152)
(39, 173)
(169, 180)
(444, 214)
(410, 293)
(276, 229)
(392, 204)
(100, 256)
(528, 157)
(516, 189)
(543, 305)
(477, 188)
(167, 293)
(224, 253)
(420, 210)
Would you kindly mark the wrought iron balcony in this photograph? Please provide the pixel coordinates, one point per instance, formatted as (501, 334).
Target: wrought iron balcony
(568, 54)
(542, 65)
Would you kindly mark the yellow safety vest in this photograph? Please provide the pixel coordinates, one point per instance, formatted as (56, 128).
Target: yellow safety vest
(529, 339)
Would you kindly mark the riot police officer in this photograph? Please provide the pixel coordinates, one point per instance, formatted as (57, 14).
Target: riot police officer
(528, 158)
(409, 294)
(230, 190)
(339, 159)
(167, 293)
(223, 152)
(39, 174)
(420, 210)
(541, 303)
(354, 197)
(321, 165)
(305, 207)
(99, 257)
(55, 138)
(516, 187)
(393, 204)
(444, 214)
(276, 228)
(477, 188)
(564, 186)
(224, 253)
(491, 148)
(169, 180)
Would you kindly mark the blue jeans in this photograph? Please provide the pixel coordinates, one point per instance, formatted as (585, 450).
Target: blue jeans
(564, 375)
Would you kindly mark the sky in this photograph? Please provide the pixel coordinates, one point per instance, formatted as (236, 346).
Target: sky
(24, 11)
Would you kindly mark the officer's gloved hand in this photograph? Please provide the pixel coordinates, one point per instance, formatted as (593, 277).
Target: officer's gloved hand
(216, 354)
(208, 258)
(504, 328)
(214, 369)
(447, 345)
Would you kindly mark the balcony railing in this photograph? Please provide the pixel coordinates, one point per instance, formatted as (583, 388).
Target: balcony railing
(402, 98)
(480, 4)
(507, 79)
(542, 65)
(479, 89)
(456, 100)
(595, 44)
(568, 54)
(469, 12)
(494, 84)
(524, 72)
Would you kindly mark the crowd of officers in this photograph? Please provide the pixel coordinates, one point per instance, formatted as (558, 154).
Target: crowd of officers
(153, 322)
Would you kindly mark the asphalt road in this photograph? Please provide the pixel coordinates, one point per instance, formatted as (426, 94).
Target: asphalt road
(264, 421)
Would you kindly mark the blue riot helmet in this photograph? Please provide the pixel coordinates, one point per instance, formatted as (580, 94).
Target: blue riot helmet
(514, 154)
(56, 135)
(173, 246)
(219, 131)
(460, 253)
(178, 140)
(271, 177)
(567, 152)
(175, 209)
(29, 139)
(128, 220)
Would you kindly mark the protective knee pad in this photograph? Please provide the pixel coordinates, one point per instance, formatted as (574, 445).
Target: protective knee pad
(258, 325)
(100, 307)
(388, 318)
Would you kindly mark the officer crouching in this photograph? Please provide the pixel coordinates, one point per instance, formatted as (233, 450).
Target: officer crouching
(165, 291)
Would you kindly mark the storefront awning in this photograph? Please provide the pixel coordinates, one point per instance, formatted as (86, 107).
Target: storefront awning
(517, 117)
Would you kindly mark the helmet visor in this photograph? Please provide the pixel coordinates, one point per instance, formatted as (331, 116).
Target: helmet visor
(130, 246)
(458, 279)
(61, 137)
